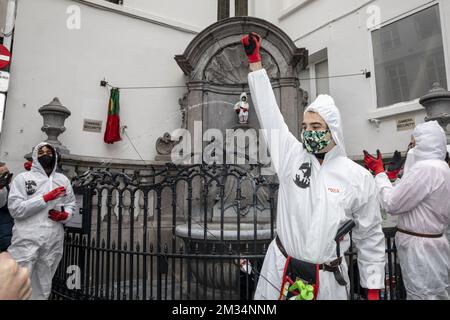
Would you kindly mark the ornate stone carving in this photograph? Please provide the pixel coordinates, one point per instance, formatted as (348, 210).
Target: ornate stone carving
(183, 102)
(165, 144)
(303, 99)
(230, 66)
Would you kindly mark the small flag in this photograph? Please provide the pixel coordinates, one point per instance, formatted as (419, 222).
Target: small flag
(112, 132)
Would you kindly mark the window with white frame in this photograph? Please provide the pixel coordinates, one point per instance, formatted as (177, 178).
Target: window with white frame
(409, 57)
(315, 79)
(390, 38)
(322, 81)
(224, 9)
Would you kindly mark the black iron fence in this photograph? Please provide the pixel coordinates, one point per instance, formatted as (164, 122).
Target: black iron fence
(184, 232)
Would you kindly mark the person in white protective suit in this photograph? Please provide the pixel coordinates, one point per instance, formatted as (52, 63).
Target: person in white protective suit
(421, 201)
(320, 190)
(241, 108)
(40, 201)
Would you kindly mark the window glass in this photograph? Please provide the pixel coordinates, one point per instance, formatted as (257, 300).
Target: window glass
(409, 57)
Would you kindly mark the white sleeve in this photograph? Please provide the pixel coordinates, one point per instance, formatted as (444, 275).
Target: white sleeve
(369, 238)
(20, 207)
(407, 193)
(3, 197)
(276, 133)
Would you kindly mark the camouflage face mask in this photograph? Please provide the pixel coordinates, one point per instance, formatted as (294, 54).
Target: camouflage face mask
(315, 141)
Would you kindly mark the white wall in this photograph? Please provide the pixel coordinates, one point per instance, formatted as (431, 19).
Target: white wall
(199, 13)
(265, 9)
(50, 60)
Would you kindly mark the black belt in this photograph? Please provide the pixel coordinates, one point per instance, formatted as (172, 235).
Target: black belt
(421, 235)
(333, 266)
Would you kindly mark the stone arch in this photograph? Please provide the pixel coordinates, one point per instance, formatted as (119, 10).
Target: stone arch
(228, 32)
(216, 69)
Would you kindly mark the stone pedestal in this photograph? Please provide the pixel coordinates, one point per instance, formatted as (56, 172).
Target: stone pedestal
(437, 105)
(54, 114)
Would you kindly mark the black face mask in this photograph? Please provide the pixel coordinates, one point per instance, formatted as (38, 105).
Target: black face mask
(5, 179)
(46, 161)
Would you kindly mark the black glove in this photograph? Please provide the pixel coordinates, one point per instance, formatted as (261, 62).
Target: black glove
(5, 179)
(252, 45)
(396, 163)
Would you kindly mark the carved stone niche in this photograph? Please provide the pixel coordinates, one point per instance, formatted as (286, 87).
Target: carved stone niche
(217, 69)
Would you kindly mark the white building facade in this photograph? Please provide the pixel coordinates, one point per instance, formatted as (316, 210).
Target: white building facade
(376, 58)
(404, 46)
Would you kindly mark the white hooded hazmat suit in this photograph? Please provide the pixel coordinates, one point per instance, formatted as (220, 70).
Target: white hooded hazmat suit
(242, 108)
(37, 241)
(309, 213)
(421, 201)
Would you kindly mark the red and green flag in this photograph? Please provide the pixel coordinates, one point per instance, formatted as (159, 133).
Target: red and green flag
(112, 132)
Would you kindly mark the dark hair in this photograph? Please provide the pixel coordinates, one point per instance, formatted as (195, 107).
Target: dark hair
(54, 153)
(447, 157)
(50, 147)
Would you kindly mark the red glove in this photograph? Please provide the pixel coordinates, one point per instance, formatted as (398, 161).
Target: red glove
(244, 109)
(373, 294)
(27, 165)
(374, 164)
(58, 215)
(392, 175)
(55, 194)
(395, 166)
(252, 44)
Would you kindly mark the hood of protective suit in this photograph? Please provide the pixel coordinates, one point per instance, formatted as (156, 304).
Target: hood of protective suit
(37, 167)
(410, 160)
(431, 142)
(244, 95)
(324, 106)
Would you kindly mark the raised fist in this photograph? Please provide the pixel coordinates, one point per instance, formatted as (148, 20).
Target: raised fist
(252, 45)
